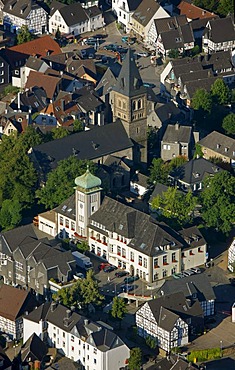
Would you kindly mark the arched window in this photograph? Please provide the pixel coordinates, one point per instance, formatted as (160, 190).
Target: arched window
(139, 104)
(134, 105)
(124, 105)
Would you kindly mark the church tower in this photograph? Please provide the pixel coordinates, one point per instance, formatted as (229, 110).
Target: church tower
(129, 104)
(87, 199)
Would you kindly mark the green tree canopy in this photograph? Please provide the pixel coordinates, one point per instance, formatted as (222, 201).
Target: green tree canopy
(90, 290)
(174, 53)
(158, 171)
(202, 100)
(70, 296)
(83, 246)
(135, 359)
(225, 7)
(229, 124)
(218, 201)
(220, 92)
(24, 35)
(176, 205)
(198, 151)
(119, 308)
(59, 132)
(60, 182)
(10, 214)
(78, 125)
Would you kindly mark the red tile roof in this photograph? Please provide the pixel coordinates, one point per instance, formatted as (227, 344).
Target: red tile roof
(192, 11)
(40, 47)
(48, 83)
(11, 301)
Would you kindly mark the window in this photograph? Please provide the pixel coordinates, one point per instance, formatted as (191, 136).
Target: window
(140, 260)
(119, 251)
(94, 360)
(173, 257)
(63, 334)
(81, 218)
(72, 338)
(164, 273)
(132, 256)
(145, 262)
(155, 262)
(17, 72)
(123, 253)
(173, 271)
(95, 351)
(166, 147)
(18, 266)
(67, 223)
(165, 260)
(61, 221)
(72, 348)
(72, 225)
(2, 81)
(88, 347)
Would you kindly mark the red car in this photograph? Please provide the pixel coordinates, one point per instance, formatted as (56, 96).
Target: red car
(103, 265)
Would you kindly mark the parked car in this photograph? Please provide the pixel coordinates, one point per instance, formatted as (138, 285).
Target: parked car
(110, 268)
(131, 279)
(127, 288)
(121, 50)
(147, 84)
(111, 47)
(79, 275)
(121, 273)
(143, 54)
(188, 273)
(103, 265)
(178, 276)
(196, 270)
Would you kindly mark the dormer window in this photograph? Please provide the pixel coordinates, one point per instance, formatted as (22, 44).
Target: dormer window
(226, 149)
(217, 146)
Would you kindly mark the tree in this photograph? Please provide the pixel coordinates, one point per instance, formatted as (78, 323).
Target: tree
(220, 92)
(10, 214)
(59, 133)
(151, 342)
(218, 201)
(78, 125)
(177, 162)
(175, 205)
(202, 100)
(70, 296)
(90, 290)
(83, 246)
(60, 182)
(24, 35)
(118, 309)
(158, 172)
(229, 124)
(225, 7)
(135, 359)
(198, 153)
(174, 53)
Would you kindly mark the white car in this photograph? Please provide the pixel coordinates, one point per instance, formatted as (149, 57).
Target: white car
(143, 54)
(196, 270)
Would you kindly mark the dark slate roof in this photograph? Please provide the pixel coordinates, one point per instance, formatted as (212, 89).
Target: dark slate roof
(173, 362)
(167, 24)
(129, 81)
(16, 236)
(145, 11)
(193, 237)
(140, 179)
(164, 111)
(219, 60)
(36, 98)
(33, 348)
(20, 8)
(159, 190)
(220, 30)
(219, 143)
(175, 39)
(193, 86)
(106, 339)
(73, 14)
(168, 308)
(195, 284)
(146, 234)
(106, 83)
(133, 4)
(58, 317)
(39, 313)
(185, 65)
(34, 63)
(195, 171)
(195, 76)
(55, 5)
(93, 11)
(67, 208)
(90, 145)
(177, 133)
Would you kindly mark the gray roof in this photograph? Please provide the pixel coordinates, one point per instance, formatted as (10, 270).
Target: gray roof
(195, 284)
(67, 208)
(129, 81)
(133, 4)
(220, 30)
(193, 237)
(146, 11)
(147, 235)
(177, 133)
(17, 236)
(73, 14)
(106, 83)
(90, 145)
(219, 60)
(173, 362)
(168, 308)
(193, 86)
(195, 171)
(34, 63)
(20, 8)
(167, 24)
(33, 348)
(164, 111)
(186, 65)
(219, 143)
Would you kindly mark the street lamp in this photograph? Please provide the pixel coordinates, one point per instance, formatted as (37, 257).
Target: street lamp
(221, 348)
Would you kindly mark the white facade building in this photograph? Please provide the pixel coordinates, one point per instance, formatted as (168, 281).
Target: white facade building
(93, 345)
(124, 10)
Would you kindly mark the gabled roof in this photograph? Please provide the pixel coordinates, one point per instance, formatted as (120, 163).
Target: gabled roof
(21, 8)
(147, 235)
(195, 284)
(33, 348)
(173, 362)
(36, 98)
(220, 30)
(14, 299)
(106, 339)
(195, 171)
(129, 81)
(34, 63)
(39, 47)
(90, 144)
(167, 24)
(133, 4)
(106, 83)
(48, 83)
(146, 11)
(177, 133)
(192, 11)
(16, 236)
(219, 143)
(72, 14)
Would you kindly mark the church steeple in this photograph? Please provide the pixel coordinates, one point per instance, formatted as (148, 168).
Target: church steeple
(129, 81)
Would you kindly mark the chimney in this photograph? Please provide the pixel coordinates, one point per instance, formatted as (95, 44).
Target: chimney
(68, 314)
(18, 102)
(72, 308)
(177, 126)
(53, 306)
(196, 136)
(62, 104)
(86, 322)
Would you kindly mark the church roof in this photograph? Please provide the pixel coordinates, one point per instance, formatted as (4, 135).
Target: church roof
(87, 181)
(129, 82)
